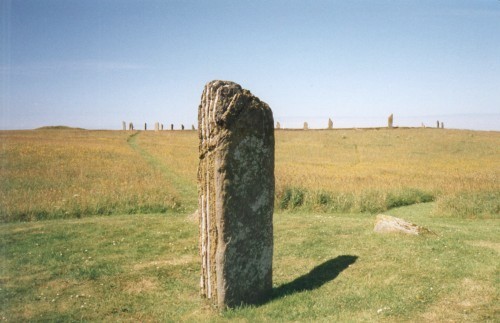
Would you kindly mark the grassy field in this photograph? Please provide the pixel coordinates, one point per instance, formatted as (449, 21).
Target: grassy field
(73, 173)
(327, 267)
(375, 170)
(70, 173)
(118, 244)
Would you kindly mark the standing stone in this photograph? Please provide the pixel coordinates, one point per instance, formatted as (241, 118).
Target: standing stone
(161, 127)
(306, 126)
(235, 195)
(390, 121)
(171, 126)
(330, 123)
(278, 126)
(437, 126)
(157, 126)
(182, 127)
(442, 125)
(124, 126)
(193, 128)
(131, 126)
(145, 126)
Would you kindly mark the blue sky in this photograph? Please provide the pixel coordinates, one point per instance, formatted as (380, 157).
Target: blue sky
(96, 63)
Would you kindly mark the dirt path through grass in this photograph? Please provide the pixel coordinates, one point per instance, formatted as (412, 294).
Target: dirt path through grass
(187, 192)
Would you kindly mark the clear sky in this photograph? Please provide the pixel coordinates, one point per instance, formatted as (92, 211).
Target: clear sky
(96, 63)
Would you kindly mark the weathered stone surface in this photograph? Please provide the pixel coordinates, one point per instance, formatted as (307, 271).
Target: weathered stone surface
(330, 123)
(236, 195)
(390, 224)
(390, 121)
(306, 126)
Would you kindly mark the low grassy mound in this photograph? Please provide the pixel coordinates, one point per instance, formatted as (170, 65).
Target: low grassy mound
(58, 128)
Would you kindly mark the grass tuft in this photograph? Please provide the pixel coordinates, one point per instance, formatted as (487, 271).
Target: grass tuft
(367, 201)
(470, 205)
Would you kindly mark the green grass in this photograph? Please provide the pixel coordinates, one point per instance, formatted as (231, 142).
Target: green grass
(327, 267)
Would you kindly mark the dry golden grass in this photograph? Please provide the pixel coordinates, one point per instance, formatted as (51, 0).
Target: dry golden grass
(370, 170)
(67, 173)
(355, 160)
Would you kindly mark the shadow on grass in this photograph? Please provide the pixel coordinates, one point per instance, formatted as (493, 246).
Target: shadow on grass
(316, 278)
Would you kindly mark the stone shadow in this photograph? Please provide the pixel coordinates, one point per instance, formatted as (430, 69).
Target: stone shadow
(316, 278)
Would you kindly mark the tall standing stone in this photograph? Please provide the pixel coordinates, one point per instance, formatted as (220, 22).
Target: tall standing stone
(124, 126)
(145, 126)
(278, 126)
(235, 195)
(182, 127)
(442, 125)
(330, 123)
(157, 126)
(306, 126)
(131, 126)
(171, 126)
(161, 127)
(192, 127)
(437, 124)
(390, 121)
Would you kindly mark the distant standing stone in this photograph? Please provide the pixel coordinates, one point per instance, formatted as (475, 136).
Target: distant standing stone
(182, 127)
(278, 126)
(442, 125)
(172, 126)
(145, 126)
(131, 126)
(306, 126)
(161, 127)
(124, 126)
(193, 128)
(437, 126)
(390, 121)
(157, 126)
(236, 195)
(330, 123)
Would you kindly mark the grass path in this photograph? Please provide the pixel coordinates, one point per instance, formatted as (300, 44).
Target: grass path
(187, 192)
